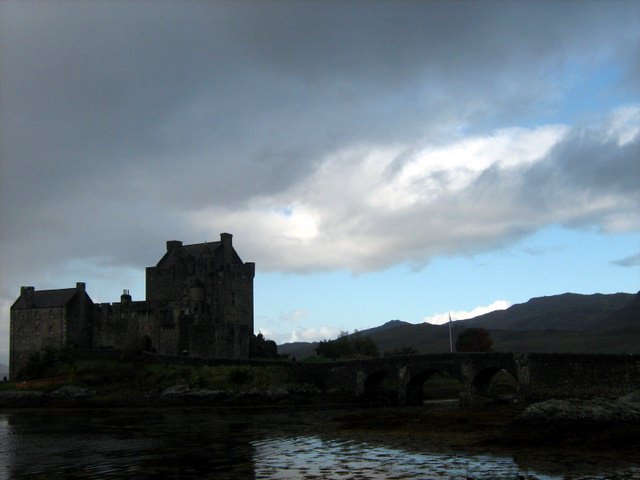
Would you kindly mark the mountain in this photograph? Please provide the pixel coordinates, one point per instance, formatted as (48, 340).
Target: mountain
(560, 323)
(627, 318)
(298, 349)
(386, 326)
(569, 311)
(308, 349)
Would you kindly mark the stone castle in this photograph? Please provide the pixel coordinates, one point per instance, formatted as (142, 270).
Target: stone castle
(199, 303)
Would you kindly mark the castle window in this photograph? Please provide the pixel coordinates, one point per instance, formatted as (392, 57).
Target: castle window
(50, 330)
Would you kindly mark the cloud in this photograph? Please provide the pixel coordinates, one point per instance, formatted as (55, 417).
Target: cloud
(441, 318)
(314, 334)
(294, 316)
(337, 135)
(368, 207)
(630, 261)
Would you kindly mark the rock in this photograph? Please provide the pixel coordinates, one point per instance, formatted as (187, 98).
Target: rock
(71, 392)
(579, 421)
(184, 393)
(175, 390)
(633, 397)
(276, 393)
(21, 398)
(280, 392)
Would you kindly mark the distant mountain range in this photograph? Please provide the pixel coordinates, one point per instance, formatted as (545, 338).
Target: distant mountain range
(560, 323)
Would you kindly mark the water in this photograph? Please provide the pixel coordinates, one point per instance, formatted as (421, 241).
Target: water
(226, 444)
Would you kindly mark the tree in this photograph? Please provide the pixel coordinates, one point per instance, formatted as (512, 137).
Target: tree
(347, 346)
(400, 352)
(260, 347)
(364, 346)
(474, 340)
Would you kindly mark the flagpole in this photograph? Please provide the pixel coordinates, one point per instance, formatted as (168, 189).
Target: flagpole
(450, 339)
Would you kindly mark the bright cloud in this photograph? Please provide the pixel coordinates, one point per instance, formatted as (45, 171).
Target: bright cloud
(624, 124)
(314, 334)
(441, 318)
(368, 207)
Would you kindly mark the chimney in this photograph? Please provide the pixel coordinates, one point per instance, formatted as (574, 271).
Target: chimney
(227, 246)
(27, 291)
(173, 245)
(81, 287)
(226, 239)
(125, 297)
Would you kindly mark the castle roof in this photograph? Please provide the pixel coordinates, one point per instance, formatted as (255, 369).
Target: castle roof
(194, 250)
(45, 298)
(175, 249)
(200, 248)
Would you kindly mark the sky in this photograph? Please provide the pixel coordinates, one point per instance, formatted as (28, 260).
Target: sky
(376, 160)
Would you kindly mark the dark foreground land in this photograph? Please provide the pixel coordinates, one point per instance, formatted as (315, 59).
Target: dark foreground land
(602, 424)
(438, 440)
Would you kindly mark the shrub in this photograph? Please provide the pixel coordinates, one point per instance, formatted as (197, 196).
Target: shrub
(348, 346)
(474, 340)
(239, 376)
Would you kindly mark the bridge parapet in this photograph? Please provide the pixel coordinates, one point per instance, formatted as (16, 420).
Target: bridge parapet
(571, 375)
(538, 375)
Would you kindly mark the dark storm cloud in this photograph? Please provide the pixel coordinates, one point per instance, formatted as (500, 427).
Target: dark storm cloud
(118, 118)
(580, 175)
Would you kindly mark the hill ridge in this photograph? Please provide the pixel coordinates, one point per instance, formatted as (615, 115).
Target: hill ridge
(568, 322)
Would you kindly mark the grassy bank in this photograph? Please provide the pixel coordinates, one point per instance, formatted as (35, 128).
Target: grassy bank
(109, 376)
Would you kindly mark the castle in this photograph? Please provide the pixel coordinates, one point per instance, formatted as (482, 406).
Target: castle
(199, 303)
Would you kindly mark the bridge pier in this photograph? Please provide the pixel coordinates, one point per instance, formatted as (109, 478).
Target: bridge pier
(472, 394)
(522, 364)
(402, 385)
(361, 379)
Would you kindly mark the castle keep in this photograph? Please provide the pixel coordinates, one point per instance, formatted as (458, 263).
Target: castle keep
(199, 303)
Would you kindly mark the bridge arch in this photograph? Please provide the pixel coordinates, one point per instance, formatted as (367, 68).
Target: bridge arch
(415, 387)
(481, 383)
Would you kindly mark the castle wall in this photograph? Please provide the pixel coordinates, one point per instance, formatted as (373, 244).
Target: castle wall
(33, 330)
(79, 318)
(199, 303)
(219, 341)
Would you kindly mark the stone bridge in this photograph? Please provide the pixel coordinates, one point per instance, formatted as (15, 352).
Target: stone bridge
(539, 376)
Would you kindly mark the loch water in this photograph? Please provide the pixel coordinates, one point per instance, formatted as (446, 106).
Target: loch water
(263, 444)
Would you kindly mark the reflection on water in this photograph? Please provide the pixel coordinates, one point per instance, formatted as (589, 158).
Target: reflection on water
(235, 445)
(312, 457)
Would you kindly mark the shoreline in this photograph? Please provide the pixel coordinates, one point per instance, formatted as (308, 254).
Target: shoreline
(598, 423)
